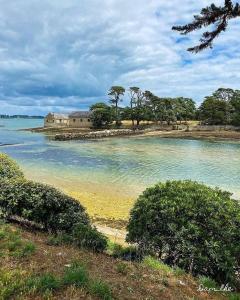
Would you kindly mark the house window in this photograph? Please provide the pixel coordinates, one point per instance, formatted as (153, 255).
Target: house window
(60, 120)
(74, 120)
(81, 120)
(89, 120)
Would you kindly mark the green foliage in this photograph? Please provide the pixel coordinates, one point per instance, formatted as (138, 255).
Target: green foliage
(76, 275)
(115, 94)
(41, 204)
(214, 111)
(12, 283)
(221, 108)
(100, 289)
(43, 283)
(12, 244)
(9, 168)
(189, 225)
(207, 282)
(179, 272)
(129, 253)
(156, 264)
(88, 237)
(60, 239)
(234, 296)
(215, 16)
(145, 106)
(101, 115)
(122, 268)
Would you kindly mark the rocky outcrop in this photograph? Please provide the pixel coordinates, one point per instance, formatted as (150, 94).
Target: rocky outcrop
(96, 134)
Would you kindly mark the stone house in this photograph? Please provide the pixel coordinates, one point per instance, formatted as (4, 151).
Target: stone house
(81, 119)
(77, 119)
(56, 120)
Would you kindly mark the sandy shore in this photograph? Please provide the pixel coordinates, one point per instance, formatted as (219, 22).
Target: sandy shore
(215, 135)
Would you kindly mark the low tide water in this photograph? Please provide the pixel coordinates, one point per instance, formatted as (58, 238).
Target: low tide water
(107, 175)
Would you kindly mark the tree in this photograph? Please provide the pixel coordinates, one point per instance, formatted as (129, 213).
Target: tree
(101, 115)
(132, 91)
(221, 107)
(218, 16)
(152, 103)
(235, 104)
(189, 225)
(214, 111)
(185, 109)
(115, 94)
(137, 103)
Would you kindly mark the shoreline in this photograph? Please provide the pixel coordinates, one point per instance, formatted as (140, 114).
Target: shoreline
(66, 134)
(201, 135)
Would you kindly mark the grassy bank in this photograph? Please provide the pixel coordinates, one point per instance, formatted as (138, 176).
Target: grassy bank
(35, 266)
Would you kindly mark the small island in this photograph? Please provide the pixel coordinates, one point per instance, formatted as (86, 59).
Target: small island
(149, 115)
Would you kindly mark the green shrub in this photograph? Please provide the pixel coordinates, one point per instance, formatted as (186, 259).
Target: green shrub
(100, 289)
(122, 268)
(60, 239)
(88, 237)
(189, 225)
(41, 204)
(156, 264)
(43, 283)
(207, 282)
(9, 168)
(129, 253)
(76, 275)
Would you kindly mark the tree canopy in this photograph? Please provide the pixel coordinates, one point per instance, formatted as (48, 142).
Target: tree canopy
(221, 108)
(218, 16)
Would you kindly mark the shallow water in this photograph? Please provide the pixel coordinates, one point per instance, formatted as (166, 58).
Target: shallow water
(109, 174)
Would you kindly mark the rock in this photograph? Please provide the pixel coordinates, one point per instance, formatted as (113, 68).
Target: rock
(96, 134)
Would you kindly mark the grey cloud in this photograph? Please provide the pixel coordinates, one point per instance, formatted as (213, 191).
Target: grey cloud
(65, 54)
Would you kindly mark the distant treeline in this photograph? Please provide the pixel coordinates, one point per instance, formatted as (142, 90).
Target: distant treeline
(20, 117)
(221, 108)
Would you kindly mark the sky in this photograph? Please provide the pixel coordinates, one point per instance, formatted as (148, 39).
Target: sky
(64, 55)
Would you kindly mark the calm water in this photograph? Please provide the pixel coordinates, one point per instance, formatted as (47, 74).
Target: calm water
(120, 168)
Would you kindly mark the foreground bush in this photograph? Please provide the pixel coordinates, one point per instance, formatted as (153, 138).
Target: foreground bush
(9, 168)
(41, 204)
(189, 225)
(88, 237)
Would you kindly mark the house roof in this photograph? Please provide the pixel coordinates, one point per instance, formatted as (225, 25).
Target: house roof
(58, 115)
(80, 114)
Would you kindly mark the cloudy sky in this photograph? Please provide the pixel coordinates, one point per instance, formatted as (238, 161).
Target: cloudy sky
(63, 55)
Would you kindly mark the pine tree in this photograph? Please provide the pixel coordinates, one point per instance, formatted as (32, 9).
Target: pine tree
(211, 15)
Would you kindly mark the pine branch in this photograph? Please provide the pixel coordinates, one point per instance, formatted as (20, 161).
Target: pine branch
(211, 15)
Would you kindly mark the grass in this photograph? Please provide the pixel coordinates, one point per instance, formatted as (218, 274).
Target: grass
(208, 282)
(11, 283)
(122, 268)
(12, 243)
(157, 265)
(43, 283)
(100, 289)
(14, 283)
(129, 253)
(76, 275)
(59, 271)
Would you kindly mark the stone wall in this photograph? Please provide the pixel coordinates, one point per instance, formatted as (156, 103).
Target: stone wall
(96, 134)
